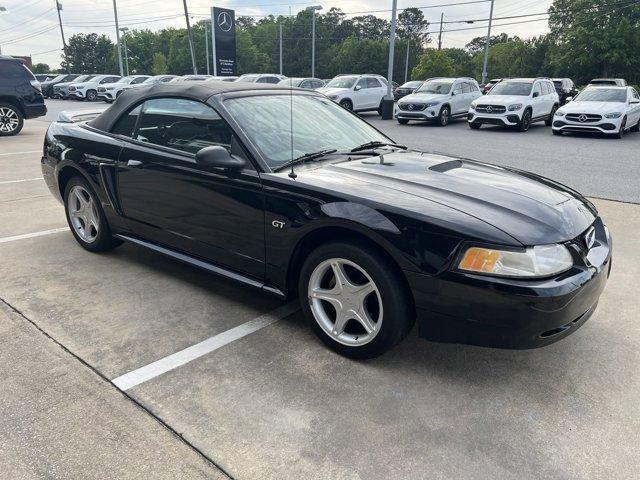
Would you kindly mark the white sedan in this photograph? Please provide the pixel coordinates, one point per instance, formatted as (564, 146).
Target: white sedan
(608, 110)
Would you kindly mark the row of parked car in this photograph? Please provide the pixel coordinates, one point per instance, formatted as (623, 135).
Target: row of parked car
(607, 106)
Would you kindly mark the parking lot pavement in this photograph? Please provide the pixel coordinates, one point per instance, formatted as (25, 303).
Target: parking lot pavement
(594, 165)
(276, 403)
(58, 419)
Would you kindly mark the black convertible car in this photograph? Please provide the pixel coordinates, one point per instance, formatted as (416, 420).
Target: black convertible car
(285, 191)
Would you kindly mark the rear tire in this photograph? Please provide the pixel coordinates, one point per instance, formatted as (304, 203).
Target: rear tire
(11, 120)
(402, 121)
(386, 306)
(86, 218)
(549, 120)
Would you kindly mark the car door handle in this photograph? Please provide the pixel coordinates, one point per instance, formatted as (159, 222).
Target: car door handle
(134, 163)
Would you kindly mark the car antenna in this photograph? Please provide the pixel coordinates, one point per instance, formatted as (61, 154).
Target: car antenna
(292, 173)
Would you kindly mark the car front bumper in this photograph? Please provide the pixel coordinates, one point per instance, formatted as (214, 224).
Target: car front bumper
(606, 125)
(107, 95)
(497, 312)
(430, 113)
(508, 119)
(76, 94)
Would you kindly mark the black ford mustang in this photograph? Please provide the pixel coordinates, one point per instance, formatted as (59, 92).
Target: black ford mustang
(287, 192)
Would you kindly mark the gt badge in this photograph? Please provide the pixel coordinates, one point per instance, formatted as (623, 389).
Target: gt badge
(277, 224)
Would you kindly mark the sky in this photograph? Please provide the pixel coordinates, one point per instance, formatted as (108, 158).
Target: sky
(30, 27)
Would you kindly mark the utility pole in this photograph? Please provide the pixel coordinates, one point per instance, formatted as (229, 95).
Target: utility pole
(206, 44)
(440, 34)
(64, 43)
(313, 37)
(486, 47)
(280, 25)
(406, 65)
(387, 102)
(193, 54)
(124, 31)
(115, 15)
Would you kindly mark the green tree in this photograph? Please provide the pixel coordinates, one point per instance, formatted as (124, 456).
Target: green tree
(90, 53)
(159, 64)
(40, 68)
(477, 44)
(433, 63)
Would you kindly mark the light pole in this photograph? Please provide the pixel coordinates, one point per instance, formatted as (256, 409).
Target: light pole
(115, 15)
(387, 101)
(193, 53)
(3, 10)
(206, 44)
(313, 9)
(124, 31)
(64, 43)
(486, 47)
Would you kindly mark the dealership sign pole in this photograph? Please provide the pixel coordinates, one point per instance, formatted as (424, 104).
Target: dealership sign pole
(223, 40)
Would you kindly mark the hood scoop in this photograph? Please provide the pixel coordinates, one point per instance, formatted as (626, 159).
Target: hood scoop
(446, 166)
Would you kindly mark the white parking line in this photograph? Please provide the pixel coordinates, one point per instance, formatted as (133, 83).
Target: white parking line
(175, 360)
(32, 235)
(5, 182)
(19, 153)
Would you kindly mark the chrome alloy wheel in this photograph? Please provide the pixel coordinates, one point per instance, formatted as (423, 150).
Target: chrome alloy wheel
(83, 214)
(8, 120)
(345, 302)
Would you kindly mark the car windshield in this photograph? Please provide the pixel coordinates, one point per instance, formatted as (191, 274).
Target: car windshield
(557, 83)
(57, 78)
(318, 124)
(435, 86)
(603, 82)
(83, 78)
(125, 80)
(414, 84)
(342, 82)
(291, 82)
(618, 95)
(522, 89)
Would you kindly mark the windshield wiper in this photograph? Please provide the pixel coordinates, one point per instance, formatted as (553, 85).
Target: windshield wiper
(307, 157)
(376, 144)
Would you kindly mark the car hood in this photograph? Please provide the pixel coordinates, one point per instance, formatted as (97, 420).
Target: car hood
(531, 209)
(80, 85)
(501, 99)
(333, 91)
(114, 84)
(594, 107)
(424, 97)
(63, 84)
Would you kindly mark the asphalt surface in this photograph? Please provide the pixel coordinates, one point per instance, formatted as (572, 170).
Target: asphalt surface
(275, 403)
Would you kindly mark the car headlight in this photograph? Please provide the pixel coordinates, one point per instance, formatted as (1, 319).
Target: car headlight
(472, 106)
(431, 104)
(332, 97)
(110, 88)
(613, 115)
(514, 107)
(560, 113)
(539, 261)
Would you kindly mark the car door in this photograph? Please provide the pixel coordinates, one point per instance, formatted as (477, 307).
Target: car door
(377, 91)
(361, 99)
(168, 198)
(633, 117)
(457, 100)
(537, 100)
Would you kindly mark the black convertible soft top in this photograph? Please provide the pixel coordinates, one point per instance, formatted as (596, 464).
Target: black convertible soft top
(200, 91)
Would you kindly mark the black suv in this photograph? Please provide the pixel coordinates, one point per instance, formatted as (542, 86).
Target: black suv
(565, 89)
(20, 96)
(47, 86)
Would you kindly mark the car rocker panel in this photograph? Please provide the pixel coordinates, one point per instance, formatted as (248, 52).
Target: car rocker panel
(486, 255)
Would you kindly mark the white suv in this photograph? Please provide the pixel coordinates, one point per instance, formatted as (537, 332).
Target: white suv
(110, 91)
(89, 90)
(609, 110)
(516, 102)
(438, 99)
(260, 78)
(359, 93)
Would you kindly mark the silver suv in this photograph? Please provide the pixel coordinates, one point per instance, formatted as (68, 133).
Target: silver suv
(89, 90)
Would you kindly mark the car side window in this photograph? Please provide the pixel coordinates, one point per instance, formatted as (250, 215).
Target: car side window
(362, 83)
(537, 89)
(466, 88)
(373, 83)
(305, 84)
(634, 94)
(457, 89)
(126, 124)
(138, 80)
(182, 124)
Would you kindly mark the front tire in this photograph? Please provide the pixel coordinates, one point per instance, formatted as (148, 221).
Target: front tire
(525, 121)
(623, 125)
(347, 105)
(355, 299)
(86, 218)
(402, 121)
(557, 132)
(444, 116)
(11, 120)
(475, 125)
(92, 95)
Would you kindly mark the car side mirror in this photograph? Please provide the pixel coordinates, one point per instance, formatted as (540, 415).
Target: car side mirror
(219, 157)
(357, 87)
(453, 94)
(536, 94)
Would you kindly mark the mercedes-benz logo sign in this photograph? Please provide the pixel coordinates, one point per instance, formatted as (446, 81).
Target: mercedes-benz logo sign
(582, 118)
(224, 21)
(489, 109)
(410, 106)
(590, 238)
